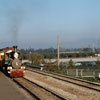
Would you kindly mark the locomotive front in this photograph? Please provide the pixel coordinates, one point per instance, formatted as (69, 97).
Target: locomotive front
(13, 63)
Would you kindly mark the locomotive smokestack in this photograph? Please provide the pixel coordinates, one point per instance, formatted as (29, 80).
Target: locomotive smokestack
(15, 48)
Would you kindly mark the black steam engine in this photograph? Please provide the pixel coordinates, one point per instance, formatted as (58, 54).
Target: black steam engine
(11, 61)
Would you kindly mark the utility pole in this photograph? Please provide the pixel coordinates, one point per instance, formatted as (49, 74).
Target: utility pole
(99, 49)
(58, 52)
(98, 46)
(93, 48)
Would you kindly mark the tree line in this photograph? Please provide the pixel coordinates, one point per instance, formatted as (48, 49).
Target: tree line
(51, 53)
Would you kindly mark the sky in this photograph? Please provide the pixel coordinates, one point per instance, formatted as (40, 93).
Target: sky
(36, 23)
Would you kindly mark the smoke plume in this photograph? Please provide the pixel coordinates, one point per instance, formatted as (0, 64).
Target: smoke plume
(15, 25)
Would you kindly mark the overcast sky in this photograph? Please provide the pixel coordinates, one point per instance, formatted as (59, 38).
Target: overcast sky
(36, 23)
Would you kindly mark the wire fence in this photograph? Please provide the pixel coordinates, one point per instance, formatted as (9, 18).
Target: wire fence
(83, 72)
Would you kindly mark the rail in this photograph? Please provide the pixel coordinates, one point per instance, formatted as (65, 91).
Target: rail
(38, 92)
(87, 84)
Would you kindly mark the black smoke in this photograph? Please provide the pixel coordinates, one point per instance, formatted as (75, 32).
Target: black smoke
(15, 22)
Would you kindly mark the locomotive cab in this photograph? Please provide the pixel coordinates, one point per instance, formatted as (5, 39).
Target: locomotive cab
(1, 59)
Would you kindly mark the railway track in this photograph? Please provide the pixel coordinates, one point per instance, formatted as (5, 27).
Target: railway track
(83, 83)
(36, 91)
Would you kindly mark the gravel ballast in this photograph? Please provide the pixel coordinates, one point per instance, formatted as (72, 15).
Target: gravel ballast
(64, 89)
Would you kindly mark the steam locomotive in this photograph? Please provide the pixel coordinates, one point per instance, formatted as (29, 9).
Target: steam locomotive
(11, 62)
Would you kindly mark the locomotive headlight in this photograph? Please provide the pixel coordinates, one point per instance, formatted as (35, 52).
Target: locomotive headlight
(9, 68)
(23, 67)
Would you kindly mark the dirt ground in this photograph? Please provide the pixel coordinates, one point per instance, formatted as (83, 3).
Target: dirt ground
(10, 91)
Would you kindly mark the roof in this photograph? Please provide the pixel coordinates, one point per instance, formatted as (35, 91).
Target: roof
(5, 49)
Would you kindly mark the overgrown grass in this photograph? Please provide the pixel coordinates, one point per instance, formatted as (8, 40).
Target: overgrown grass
(63, 70)
(55, 69)
(90, 79)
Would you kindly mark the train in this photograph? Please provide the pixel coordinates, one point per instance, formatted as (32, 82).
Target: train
(11, 62)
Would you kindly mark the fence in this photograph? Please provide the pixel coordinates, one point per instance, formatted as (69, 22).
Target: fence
(83, 72)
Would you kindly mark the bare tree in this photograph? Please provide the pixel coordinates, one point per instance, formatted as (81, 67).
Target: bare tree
(36, 58)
